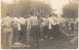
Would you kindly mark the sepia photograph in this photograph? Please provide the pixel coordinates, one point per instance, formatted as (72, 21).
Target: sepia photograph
(39, 24)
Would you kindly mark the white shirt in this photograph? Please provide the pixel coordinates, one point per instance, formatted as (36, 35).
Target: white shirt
(51, 21)
(18, 22)
(7, 21)
(45, 21)
(22, 20)
(34, 20)
(28, 23)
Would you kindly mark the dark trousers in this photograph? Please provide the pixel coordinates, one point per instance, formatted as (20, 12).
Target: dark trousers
(18, 34)
(54, 32)
(23, 33)
(15, 34)
(28, 36)
(45, 31)
(35, 32)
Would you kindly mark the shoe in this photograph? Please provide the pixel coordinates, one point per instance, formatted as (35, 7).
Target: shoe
(46, 36)
(18, 44)
(10, 43)
(41, 39)
(28, 46)
(51, 38)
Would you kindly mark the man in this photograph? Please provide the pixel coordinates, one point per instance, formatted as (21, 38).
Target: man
(28, 29)
(43, 28)
(18, 22)
(7, 29)
(35, 27)
(19, 30)
(51, 23)
(53, 27)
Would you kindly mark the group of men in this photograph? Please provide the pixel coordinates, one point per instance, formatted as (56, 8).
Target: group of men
(29, 29)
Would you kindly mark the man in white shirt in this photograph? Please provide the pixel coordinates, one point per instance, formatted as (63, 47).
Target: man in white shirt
(18, 23)
(30, 22)
(51, 24)
(7, 30)
(33, 29)
(43, 28)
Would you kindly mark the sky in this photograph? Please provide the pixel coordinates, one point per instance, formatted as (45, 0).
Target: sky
(58, 5)
(55, 4)
(8, 1)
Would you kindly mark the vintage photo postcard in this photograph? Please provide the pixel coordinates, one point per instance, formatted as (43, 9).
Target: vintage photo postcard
(39, 24)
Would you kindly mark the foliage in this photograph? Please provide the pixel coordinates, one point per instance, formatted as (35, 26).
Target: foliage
(6, 9)
(70, 10)
(26, 8)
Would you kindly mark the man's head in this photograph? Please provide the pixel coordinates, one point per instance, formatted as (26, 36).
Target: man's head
(18, 16)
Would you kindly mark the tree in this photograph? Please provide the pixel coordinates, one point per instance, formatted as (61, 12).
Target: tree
(70, 10)
(25, 8)
(6, 9)
(32, 8)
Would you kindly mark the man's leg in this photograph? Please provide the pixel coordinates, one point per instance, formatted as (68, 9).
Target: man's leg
(10, 38)
(36, 35)
(46, 32)
(28, 38)
(41, 33)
